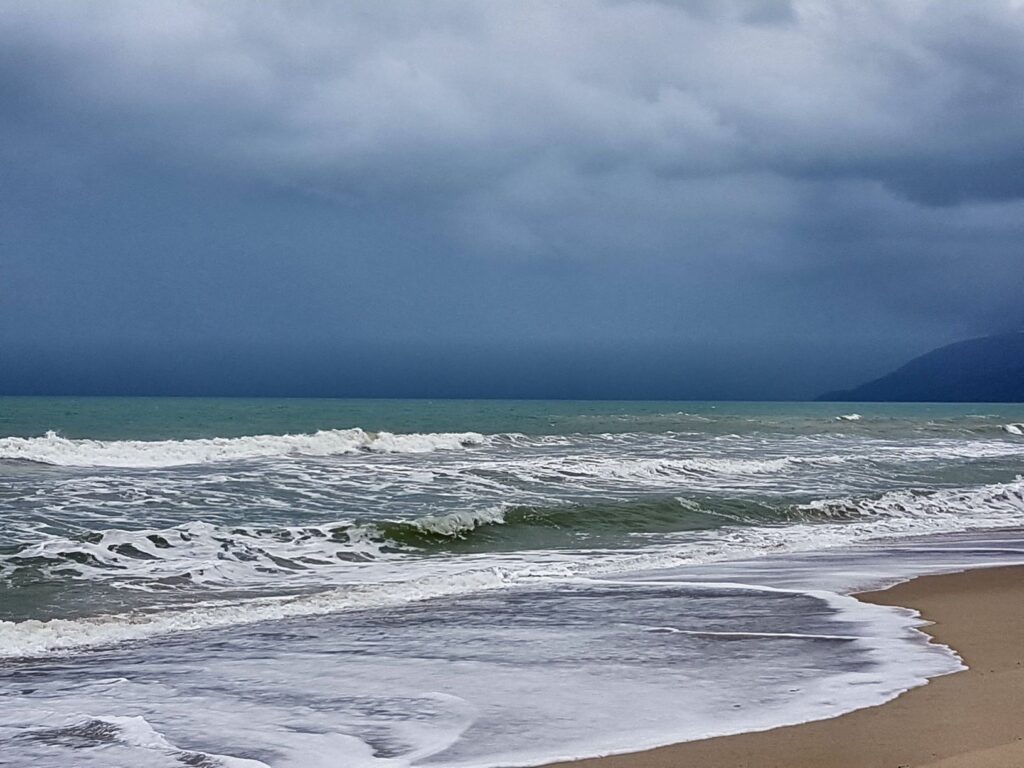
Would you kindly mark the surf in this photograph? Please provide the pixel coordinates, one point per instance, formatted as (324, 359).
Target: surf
(56, 450)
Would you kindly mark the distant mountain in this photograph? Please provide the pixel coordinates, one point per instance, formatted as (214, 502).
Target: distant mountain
(989, 369)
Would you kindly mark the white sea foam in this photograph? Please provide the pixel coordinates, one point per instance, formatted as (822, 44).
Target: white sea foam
(262, 698)
(660, 470)
(945, 450)
(54, 449)
(1001, 504)
(205, 554)
(218, 556)
(136, 731)
(33, 638)
(612, 456)
(455, 524)
(849, 417)
(202, 553)
(892, 515)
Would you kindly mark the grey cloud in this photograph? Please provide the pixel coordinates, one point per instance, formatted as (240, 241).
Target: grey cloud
(579, 169)
(450, 94)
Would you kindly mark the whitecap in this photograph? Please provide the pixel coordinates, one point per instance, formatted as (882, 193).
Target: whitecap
(51, 448)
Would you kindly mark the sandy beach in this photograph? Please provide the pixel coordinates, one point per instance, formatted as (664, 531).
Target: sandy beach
(971, 719)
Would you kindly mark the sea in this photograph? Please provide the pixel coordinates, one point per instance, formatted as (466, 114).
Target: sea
(391, 583)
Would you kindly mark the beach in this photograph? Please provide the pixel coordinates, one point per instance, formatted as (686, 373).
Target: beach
(969, 719)
(588, 384)
(482, 584)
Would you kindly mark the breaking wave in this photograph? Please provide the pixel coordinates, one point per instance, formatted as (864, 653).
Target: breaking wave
(53, 449)
(576, 455)
(200, 553)
(826, 524)
(997, 505)
(222, 557)
(657, 471)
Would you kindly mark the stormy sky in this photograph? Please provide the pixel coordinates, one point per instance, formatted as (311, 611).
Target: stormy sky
(582, 198)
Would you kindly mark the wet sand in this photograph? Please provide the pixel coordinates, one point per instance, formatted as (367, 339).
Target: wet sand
(970, 719)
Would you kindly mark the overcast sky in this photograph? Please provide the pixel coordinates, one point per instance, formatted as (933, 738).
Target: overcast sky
(571, 198)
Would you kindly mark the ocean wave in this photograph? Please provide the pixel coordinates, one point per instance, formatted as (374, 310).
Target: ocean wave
(130, 731)
(199, 553)
(829, 524)
(34, 638)
(656, 470)
(211, 557)
(1001, 503)
(53, 449)
(956, 450)
(451, 525)
(511, 526)
(204, 554)
(641, 456)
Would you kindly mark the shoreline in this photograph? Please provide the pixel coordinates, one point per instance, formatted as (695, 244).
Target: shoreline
(973, 718)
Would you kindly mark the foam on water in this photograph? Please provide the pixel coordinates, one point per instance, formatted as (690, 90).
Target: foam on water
(847, 655)
(460, 523)
(424, 597)
(136, 732)
(56, 450)
(894, 515)
(200, 553)
(61, 451)
(132, 736)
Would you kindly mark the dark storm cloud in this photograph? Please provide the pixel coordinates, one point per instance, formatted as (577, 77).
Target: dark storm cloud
(764, 172)
(453, 96)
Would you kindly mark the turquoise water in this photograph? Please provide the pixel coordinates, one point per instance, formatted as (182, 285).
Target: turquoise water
(144, 418)
(424, 582)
